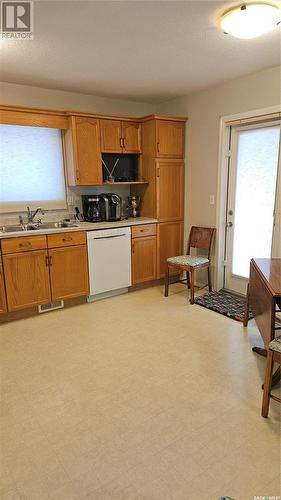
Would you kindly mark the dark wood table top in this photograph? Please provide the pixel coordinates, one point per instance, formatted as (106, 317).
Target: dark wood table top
(270, 270)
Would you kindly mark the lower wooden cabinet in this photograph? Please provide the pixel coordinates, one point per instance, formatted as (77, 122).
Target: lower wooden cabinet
(27, 279)
(68, 272)
(169, 244)
(3, 304)
(143, 259)
(44, 275)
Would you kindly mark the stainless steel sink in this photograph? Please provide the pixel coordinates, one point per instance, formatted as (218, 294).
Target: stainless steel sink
(36, 227)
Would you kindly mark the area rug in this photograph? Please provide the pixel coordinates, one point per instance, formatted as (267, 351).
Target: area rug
(224, 303)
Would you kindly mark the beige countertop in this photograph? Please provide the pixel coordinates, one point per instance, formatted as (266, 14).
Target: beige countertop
(82, 226)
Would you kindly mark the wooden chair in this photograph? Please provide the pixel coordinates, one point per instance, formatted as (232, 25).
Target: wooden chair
(273, 354)
(201, 238)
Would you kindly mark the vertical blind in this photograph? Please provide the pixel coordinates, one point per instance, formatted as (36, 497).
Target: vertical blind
(31, 168)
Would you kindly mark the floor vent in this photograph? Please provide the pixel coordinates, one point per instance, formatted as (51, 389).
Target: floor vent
(51, 306)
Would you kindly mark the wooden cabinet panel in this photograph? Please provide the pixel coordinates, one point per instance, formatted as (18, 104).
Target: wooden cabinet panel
(143, 230)
(111, 136)
(170, 185)
(143, 259)
(66, 239)
(3, 304)
(169, 244)
(27, 279)
(169, 139)
(23, 244)
(131, 137)
(69, 272)
(84, 165)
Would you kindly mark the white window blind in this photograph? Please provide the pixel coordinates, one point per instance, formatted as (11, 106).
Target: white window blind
(31, 168)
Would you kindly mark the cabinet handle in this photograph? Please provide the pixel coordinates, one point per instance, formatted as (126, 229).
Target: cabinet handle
(144, 230)
(47, 260)
(26, 244)
(158, 172)
(67, 239)
(121, 143)
(50, 261)
(77, 175)
(124, 142)
(158, 147)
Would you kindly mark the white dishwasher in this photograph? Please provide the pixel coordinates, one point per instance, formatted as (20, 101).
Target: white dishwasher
(109, 256)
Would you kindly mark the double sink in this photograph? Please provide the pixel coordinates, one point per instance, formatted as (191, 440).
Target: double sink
(36, 227)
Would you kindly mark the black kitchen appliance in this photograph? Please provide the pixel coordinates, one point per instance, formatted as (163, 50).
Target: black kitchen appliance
(111, 205)
(92, 209)
(102, 207)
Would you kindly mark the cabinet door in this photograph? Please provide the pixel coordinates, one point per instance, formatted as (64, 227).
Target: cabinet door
(27, 279)
(131, 137)
(169, 139)
(143, 259)
(111, 136)
(69, 272)
(88, 169)
(3, 305)
(170, 189)
(169, 244)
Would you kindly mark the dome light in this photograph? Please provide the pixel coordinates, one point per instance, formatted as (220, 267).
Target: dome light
(251, 20)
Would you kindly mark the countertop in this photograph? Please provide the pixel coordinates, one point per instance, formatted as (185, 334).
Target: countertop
(82, 226)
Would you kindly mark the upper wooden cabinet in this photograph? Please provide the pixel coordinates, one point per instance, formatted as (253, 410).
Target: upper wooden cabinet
(3, 304)
(120, 136)
(169, 139)
(162, 137)
(131, 137)
(83, 154)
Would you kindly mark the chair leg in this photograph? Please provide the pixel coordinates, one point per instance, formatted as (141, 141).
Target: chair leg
(187, 279)
(192, 286)
(209, 279)
(167, 280)
(267, 384)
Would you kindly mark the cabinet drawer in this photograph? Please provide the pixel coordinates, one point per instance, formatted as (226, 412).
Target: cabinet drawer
(23, 244)
(143, 230)
(66, 239)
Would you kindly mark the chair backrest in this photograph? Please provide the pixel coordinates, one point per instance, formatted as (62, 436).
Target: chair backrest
(201, 237)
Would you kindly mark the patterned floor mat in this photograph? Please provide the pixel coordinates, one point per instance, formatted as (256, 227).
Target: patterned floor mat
(224, 303)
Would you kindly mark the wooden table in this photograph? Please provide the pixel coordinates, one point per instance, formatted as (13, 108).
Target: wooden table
(263, 296)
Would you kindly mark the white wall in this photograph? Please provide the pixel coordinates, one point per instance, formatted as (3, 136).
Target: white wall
(204, 109)
(25, 95)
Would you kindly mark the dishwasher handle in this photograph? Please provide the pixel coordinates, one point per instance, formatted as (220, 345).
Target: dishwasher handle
(109, 237)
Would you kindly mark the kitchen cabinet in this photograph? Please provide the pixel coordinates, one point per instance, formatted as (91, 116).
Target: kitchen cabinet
(83, 154)
(169, 187)
(144, 247)
(27, 279)
(39, 270)
(3, 303)
(68, 272)
(119, 136)
(169, 243)
(170, 139)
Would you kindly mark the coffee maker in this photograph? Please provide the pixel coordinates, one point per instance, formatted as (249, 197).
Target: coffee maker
(111, 205)
(102, 207)
(92, 208)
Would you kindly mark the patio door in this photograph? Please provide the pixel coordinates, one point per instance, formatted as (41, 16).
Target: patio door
(253, 206)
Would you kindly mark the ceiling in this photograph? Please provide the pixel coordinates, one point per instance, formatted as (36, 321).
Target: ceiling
(140, 50)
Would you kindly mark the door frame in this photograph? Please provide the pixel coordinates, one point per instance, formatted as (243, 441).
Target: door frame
(222, 182)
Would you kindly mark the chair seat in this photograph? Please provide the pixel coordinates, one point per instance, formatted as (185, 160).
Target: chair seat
(275, 344)
(188, 260)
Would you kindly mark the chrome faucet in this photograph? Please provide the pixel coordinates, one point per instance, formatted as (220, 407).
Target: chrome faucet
(31, 215)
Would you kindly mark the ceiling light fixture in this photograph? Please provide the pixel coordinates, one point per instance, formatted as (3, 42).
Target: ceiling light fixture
(250, 20)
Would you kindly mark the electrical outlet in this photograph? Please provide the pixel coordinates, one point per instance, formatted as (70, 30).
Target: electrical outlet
(212, 199)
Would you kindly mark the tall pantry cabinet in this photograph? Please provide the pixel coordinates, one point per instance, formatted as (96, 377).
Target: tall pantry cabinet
(163, 166)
